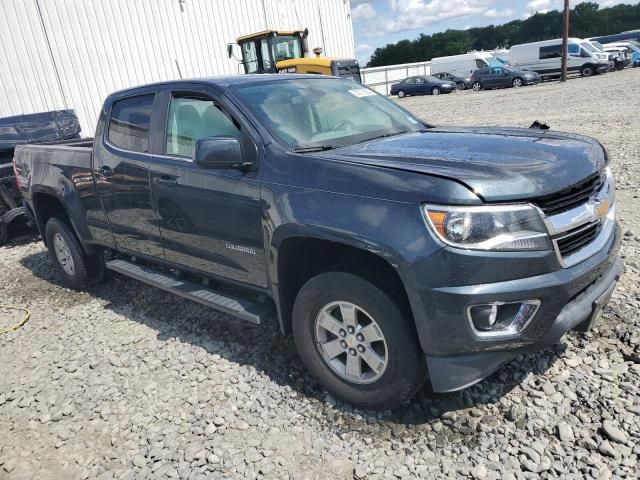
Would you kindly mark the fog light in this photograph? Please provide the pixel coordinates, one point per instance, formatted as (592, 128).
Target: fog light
(501, 319)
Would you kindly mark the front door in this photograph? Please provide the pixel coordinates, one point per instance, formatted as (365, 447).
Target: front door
(210, 219)
(121, 173)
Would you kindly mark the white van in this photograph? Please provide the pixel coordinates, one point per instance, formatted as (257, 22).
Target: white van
(546, 57)
(461, 65)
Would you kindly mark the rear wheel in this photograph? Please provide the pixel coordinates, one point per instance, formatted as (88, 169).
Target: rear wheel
(587, 71)
(435, 91)
(401, 94)
(477, 86)
(355, 340)
(460, 86)
(74, 267)
(517, 82)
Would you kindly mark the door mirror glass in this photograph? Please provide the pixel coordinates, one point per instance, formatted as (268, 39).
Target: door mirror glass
(219, 152)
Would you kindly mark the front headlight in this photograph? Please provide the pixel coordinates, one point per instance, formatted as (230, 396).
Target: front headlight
(496, 227)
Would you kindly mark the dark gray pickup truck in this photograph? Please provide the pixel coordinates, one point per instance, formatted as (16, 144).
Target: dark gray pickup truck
(394, 251)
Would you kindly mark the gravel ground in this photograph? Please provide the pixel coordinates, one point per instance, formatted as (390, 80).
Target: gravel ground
(124, 381)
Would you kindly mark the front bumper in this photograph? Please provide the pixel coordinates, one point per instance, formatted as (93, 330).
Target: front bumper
(531, 80)
(450, 373)
(456, 356)
(604, 67)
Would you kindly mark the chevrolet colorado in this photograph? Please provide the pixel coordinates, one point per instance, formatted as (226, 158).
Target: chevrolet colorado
(393, 250)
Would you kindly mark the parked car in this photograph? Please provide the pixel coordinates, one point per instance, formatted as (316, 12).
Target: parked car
(619, 57)
(502, 77)
(545, 57)
(632, 46)
(393, 250)
(422, 85)
(461, 65)
(461, 83)
(20, 129)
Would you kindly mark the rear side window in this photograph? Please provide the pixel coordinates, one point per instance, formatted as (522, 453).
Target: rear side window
(129, 123)
(550, 51)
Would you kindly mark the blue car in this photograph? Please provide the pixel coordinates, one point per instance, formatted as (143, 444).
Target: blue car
(422, 85)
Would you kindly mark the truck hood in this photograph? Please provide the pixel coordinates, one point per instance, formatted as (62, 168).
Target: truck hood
(498, 164)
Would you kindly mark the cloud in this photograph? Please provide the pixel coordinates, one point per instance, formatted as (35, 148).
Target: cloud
(363, 11)
(413, 14)
(493, 13)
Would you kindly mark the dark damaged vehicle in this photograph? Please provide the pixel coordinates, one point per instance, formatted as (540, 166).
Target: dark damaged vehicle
(20, 129)
(394, 251)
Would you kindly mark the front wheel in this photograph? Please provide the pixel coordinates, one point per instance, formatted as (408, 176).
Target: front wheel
(460, 86)
(401, 94)
(4, 233)
(477, 86)
(586, 71)
(74, 267)
(517, 82)
(355, 340)
(435, 91)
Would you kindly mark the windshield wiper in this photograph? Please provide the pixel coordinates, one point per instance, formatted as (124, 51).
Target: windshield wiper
(319, 148)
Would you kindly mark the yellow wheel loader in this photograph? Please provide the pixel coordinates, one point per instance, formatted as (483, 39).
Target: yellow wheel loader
(278, 51)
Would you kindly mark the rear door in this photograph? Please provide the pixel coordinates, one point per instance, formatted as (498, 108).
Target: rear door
(121, 172)
(210, 219)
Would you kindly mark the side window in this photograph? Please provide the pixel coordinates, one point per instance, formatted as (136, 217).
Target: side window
(266, 54)
(129, 123)
(481, 63)
(550, 51)
(410, 81)
(193, 118)
(574, 49)
(419, 80)
(250, 56)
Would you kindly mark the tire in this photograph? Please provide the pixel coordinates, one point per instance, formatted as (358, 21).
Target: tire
(460, 86)
(404, 370)
(517, 82)
(73, 266)
(476, 86)
(401, 94)
(4, 233)
(435, 91)
(586, 71)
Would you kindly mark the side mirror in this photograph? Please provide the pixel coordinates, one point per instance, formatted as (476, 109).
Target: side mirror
(219, 152)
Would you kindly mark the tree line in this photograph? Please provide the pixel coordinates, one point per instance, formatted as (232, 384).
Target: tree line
(587, 20)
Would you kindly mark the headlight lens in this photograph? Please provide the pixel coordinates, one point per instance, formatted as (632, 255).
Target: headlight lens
(499, 227)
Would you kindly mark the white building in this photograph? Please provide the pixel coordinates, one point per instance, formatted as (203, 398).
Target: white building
(57, 54)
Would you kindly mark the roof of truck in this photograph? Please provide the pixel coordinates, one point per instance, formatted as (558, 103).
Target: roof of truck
(228, 80)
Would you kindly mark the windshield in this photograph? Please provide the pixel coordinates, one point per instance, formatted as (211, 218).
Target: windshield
(329, 113)
(597, 45)
(588, 47)
(286, 47)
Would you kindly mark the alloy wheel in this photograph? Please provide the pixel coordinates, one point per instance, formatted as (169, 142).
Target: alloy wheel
(351, 342)
(63, 254)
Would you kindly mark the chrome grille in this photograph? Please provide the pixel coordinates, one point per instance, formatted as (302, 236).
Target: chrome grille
(575, 239)
(572, 196)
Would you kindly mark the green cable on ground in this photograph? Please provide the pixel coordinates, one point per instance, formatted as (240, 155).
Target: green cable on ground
(24, 320)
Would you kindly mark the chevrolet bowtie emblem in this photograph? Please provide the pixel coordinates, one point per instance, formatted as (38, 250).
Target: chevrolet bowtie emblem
(602, 208)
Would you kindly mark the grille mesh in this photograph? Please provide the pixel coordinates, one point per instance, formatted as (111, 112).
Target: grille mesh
(571, 197)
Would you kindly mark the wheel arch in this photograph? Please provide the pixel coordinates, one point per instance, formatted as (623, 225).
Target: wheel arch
(301, 257)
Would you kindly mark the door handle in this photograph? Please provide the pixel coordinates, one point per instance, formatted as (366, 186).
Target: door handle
(166, 180)
(104, 171)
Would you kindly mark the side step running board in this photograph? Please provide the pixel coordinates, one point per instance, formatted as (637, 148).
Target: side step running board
(253, 312)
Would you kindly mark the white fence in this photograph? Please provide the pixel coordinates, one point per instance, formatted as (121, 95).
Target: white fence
(381, 78)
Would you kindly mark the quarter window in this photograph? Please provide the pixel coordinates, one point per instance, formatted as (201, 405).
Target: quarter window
(191, 119)
(129, 123)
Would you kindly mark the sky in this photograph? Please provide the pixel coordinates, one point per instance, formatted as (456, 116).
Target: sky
(379, 22)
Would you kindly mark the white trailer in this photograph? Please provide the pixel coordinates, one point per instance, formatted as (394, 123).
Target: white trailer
(461, 65)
